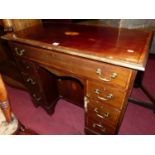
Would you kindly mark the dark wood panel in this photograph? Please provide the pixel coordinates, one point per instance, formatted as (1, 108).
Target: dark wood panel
(71, 90)
(49, 87)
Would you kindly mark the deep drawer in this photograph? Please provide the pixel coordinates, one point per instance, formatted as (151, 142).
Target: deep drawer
(31, 82)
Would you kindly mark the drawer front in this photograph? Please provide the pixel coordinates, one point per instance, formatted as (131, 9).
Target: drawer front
(33, 86)
(99, 127)
(102, 72)
(104, 93)
(37, 97)
(26, 66)
(31, 82)
(101, 112)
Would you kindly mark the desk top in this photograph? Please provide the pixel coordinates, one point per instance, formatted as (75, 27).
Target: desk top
(123, 47)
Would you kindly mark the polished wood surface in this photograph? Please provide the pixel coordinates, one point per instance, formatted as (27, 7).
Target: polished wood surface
(94, 66)
(122, 47)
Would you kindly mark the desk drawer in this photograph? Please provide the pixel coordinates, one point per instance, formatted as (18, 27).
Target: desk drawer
(31, 82)
(102, 72)
(101, 112)
(104, 93)
(26, 66)
(37, 97)
(99, 127)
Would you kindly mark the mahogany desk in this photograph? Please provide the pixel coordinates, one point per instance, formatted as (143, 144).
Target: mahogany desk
(103, 60)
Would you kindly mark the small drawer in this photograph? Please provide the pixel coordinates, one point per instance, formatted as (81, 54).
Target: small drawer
(31, 82)
(102, 112)
(26, 66)
(37, 98)
(107, 94)
(99, 127)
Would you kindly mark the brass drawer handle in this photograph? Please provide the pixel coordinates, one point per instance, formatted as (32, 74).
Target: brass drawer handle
(19, 52)
(112, 76)
(33, 82)
(36, 98)
(108, 97)
(103, 116)
(103, 129)
(97, 91)
(27, 66)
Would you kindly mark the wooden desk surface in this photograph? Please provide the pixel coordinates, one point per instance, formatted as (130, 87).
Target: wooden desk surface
(123, 47)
